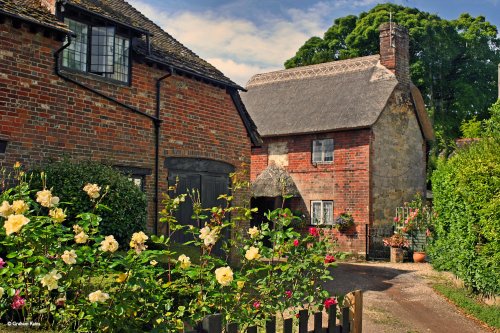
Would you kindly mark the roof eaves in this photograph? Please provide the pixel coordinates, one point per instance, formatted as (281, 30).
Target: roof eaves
(36, 22)
(227, 84)
(143, 31)
(318, 131)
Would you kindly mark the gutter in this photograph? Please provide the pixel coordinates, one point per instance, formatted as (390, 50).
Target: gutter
(155, 119)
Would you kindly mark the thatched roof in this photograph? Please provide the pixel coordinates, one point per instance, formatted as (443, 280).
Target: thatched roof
(330, 96)
(274, 181)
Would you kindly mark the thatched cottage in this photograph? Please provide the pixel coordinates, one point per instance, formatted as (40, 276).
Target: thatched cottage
(349, 137)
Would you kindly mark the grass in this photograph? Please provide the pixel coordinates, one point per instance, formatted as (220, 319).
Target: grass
(488, 314)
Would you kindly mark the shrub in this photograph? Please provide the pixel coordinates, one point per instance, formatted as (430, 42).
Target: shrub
(466, 190)
(126, 202)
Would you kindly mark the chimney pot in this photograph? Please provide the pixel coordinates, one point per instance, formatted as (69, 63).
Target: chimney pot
(394, 51)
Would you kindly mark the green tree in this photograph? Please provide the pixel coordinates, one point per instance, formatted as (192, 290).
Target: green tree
(453, 63)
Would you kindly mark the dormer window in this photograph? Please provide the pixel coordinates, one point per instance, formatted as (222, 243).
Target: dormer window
(99, 50)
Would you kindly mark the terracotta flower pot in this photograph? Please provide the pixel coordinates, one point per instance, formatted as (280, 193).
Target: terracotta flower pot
(397, 254)
(418, 256)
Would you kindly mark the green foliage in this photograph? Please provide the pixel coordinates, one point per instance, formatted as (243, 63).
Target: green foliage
(466, 190)
(471, 128)
(126, 202)
(452, 62)
(468, 303)
(79, 279)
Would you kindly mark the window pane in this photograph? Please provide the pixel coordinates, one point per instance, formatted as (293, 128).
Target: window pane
(75, 55)
(316, 151)
(328, 212)
(102, 49)
(121, 64)
(328, 150)
(316, 212)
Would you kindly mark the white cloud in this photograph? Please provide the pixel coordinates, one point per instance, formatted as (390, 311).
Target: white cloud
(237, 46)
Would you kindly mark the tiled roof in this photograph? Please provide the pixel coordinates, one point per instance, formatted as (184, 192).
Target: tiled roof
(31, 11)
(164, 48)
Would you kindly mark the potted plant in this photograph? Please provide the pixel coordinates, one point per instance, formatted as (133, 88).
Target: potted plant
(397, 243)
(344, 222)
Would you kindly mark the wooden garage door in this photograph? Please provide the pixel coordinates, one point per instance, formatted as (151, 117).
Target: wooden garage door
(209, 177)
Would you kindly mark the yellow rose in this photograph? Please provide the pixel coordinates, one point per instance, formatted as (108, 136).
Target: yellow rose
(77, 229)
(98, 296)
(252, 253)
(92, 190)
(139, 237)
(185, 261)
(5, 209)
(122, 277)
(69, 257)
(46, 199)
(14, 223)
(153, 262)
(109, 244)
(253, 232)
(17, 165)
(50, 280)
(240, 284)
(224, 275)
(81, 238)
(57, 215)
(1, 292)
(19, 206)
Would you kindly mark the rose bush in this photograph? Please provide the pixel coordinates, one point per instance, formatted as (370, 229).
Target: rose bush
(78, 279)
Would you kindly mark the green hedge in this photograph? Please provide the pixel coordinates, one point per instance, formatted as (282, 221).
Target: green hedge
(126, 201)
(466, 190)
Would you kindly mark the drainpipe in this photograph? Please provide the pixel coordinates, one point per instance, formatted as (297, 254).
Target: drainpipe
(157, 146)
(155, 119)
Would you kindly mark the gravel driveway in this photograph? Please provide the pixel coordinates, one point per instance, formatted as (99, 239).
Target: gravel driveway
(399, 298)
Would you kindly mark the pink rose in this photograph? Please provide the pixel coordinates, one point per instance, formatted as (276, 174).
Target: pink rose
(296, 242)
(313, 232)
(2, 263)
(17, 301)
(256, 304)
(288, 294)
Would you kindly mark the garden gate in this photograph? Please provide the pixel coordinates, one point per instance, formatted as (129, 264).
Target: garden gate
(375, 245)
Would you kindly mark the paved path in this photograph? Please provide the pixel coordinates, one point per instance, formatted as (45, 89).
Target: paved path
(398, 298)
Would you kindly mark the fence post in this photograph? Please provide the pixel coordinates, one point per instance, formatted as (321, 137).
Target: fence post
(332, 318)
(303, 318)
(346, 324)
(271, 325)
(354, 300)
(212, 324)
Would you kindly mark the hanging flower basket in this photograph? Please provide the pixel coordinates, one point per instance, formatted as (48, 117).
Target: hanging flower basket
(344, 222)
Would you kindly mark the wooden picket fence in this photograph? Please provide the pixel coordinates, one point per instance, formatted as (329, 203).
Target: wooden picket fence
(351, 321)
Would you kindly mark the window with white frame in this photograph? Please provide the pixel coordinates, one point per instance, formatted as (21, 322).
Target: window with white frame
(322, 151)
(98, 50)
(322, 212)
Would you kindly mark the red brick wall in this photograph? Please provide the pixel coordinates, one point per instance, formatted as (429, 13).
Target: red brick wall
(44, 116)
(346, 180)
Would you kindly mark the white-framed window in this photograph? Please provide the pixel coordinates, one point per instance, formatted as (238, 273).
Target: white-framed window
(322, 151)
(322, 212)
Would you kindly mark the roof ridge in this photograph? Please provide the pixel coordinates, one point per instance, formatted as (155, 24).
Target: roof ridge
(323, 69)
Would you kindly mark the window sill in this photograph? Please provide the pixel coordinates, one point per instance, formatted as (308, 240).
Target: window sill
(95, 77)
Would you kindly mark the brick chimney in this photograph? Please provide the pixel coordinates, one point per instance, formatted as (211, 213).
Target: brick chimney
(394, 51)
(50, 5)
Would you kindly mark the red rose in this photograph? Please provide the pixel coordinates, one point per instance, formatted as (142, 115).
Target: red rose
(288, 294)
(296, 242)
(313, 232)
(329, 259)
(256, 304)
(329, 302)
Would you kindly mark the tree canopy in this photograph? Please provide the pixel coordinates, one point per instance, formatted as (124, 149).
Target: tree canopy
(452, 62)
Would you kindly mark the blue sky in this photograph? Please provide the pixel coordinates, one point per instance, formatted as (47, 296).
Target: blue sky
(245, 37)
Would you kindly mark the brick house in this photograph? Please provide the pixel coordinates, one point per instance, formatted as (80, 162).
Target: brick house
(349, 136)
(96, 79)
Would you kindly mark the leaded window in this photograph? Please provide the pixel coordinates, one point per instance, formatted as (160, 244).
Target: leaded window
(98, 50)
(322, 212)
